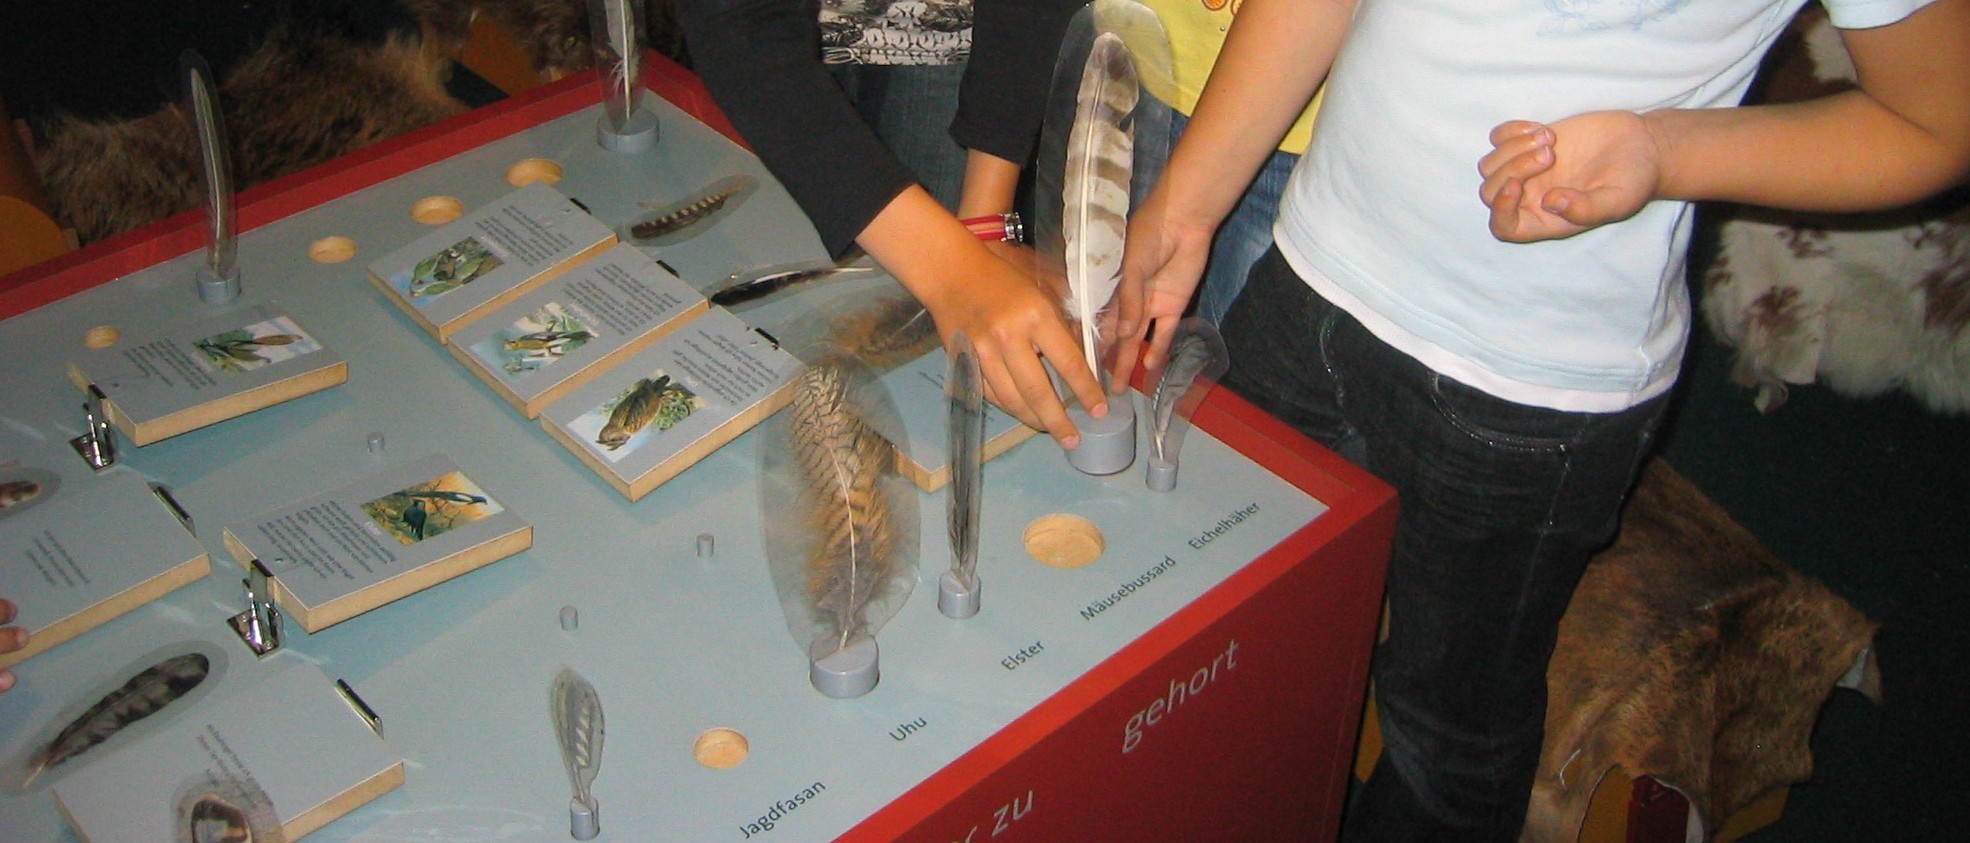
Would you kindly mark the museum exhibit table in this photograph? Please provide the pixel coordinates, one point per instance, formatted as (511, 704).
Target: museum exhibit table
(1201, 679)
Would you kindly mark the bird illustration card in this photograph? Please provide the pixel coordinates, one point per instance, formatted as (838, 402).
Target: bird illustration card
(573, 328)
(349, 550)
(283, 756)
(473, 265)
(922, 412)
(76, 554)
(665, 408)
(186, 376)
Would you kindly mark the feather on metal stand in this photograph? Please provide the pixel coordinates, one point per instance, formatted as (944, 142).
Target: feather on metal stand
(218, 280)
(1197, 358)
(958, 590)
(841, 522)
(616, 31)
(1095, 194)
(577, 713)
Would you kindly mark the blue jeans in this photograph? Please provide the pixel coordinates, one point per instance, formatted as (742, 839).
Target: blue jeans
(911, 108)
(1501, 506)
(1242, 237)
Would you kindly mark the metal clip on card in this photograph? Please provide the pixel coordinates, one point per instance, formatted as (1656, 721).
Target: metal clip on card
(260, 625)
(361, 708)
(98, 445)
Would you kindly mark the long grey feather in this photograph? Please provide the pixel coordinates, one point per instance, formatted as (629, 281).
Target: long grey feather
(963, 386)
(1195, 361)
(577, 712)
(215, 160)
(143, 695)
(1099, 166)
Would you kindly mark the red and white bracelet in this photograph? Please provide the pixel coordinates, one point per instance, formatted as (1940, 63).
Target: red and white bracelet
(1004, 228)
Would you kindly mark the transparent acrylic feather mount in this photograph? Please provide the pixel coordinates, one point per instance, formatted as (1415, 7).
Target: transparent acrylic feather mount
(840, 523)
(576, 710)
(1114, 62)
(218, 279)
(616, 31)
(1196, 359)
(958, 589)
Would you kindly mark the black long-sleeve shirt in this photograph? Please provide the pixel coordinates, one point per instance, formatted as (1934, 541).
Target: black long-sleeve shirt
(761, 60)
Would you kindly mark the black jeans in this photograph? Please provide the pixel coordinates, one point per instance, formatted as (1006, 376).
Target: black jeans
(1502, 504)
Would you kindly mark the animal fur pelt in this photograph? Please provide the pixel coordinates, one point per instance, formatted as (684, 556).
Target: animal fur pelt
(1867, 303)
(1691, 655)
(310, 92)
(555, 33)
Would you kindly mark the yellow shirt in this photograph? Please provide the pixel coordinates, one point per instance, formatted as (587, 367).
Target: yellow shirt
(1196, 29)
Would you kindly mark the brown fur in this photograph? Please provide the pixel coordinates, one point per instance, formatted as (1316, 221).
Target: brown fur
(557, 34)
(301, 99)
(1689, 654)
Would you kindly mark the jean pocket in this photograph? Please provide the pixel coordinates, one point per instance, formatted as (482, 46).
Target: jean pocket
(1501, 424)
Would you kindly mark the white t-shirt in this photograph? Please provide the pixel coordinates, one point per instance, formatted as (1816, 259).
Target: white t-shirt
(1383, 217)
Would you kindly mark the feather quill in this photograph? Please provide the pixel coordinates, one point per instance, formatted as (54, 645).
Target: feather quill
(1196, 359)
(1095, 204)
(215, 163)
(691, 216)
(577, 712)
(143, 695)
(842, 461)
(964, 387)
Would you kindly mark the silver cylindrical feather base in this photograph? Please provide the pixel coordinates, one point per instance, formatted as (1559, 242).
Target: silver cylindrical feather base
(1161, 475)
(848, 672)
(584, 818)
(957, 598)
(216, 289)
(638, 134)
(1107, 443)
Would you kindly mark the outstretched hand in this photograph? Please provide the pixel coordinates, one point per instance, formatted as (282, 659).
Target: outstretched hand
(1549, 181)
(1013, 319)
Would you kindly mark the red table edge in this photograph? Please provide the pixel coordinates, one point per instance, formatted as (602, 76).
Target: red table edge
(1350, 493)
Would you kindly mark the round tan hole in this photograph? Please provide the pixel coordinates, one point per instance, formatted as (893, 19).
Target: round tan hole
(529, 170)
(101, 336)
(332, 250)
(721, 748)
(437, 210)
(1064, 541)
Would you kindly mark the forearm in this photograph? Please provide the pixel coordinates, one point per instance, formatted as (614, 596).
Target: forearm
(1274, 59)
(1903, 135)
(990, 185)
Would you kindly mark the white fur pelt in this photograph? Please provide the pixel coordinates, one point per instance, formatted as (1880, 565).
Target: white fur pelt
(1865, 304)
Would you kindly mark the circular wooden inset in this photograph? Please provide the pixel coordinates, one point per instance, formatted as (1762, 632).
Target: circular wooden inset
(526, 171)
(721, 748)
(1063, 540)
(437, 210)
(332, 249)
(101, 336)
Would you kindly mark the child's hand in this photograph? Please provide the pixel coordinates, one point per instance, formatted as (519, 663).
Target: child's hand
(1545, 182)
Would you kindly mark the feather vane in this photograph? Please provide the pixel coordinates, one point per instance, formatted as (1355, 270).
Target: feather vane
(215, 162)
(964, 387)
(143, 695)
(577, 712)
(842, 461)
(1095, 204)
(752, 285)
(687, 218)
(623, 60)
(1196, 359)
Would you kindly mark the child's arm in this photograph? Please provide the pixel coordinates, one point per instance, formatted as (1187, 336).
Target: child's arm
(1903, 135)
(1273, 61)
